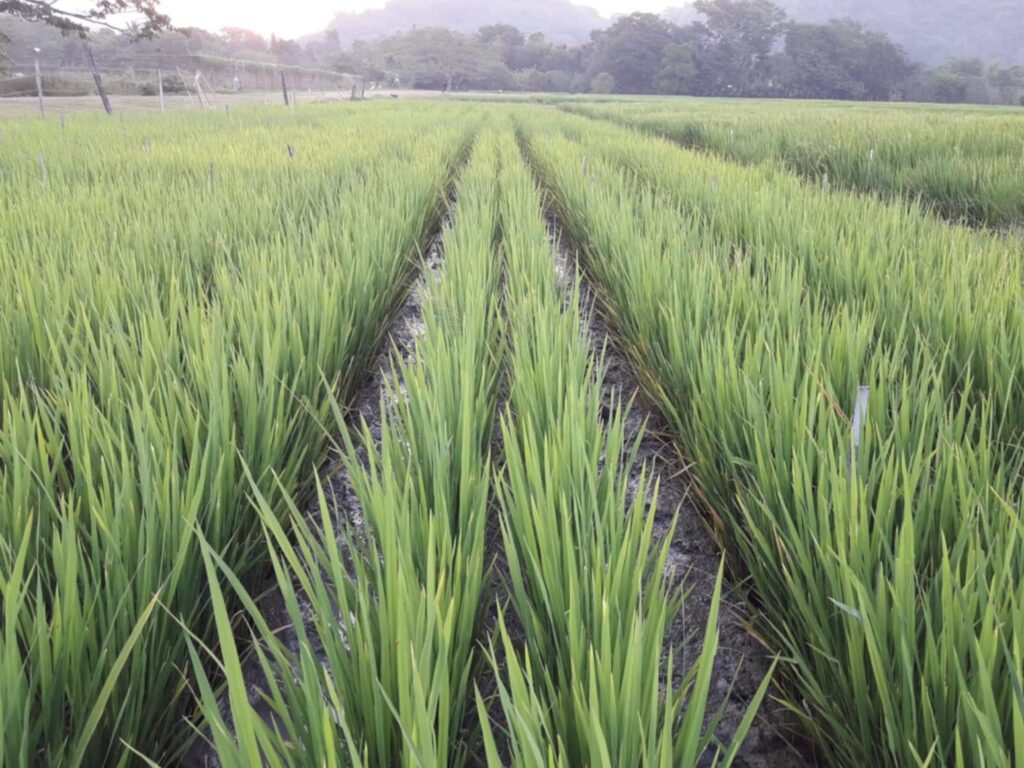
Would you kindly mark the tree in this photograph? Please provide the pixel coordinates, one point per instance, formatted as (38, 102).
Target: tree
(286, 51)
(238, 37)
(883, 66)
(145, 19)
(5, 60)
(840, 60)
(503, 35)
(603, 83)
(632, 49)
(1008, 83)
(440, 58)
(508, 41)
(678, 74)
(738, 37)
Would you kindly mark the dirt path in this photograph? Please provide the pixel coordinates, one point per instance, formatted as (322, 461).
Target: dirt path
(742, 661)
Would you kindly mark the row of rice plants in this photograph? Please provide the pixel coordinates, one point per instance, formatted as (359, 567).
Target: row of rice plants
(886, 563)
(955, 292)
(398, 619)
(585, 686)
(964, 165)
(171, 339)
(398, 616)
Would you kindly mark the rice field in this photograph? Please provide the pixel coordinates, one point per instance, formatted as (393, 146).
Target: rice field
(964, 164)
(316, 447)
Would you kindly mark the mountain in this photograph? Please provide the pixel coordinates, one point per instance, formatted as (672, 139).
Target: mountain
(931, 31)
(560, 20)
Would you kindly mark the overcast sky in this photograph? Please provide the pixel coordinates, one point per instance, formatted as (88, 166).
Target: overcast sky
(300, 17)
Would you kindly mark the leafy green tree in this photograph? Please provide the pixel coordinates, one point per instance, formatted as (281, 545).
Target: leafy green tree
(5, 60)
(738, 37)
(679, 72)
(603, 83)
(840, 60)
(243, 39)
(504, 35)
(145, 18)
(632, 49)
(440, 58)
(510, 42)
(1008, 83)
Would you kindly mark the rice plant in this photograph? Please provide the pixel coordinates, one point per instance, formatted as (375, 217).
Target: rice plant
(884, 562)
(397, 617)
(965, 165)
(180, 313)
(586, 685)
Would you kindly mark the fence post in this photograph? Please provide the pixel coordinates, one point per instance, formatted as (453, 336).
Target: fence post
(39, 86)
(203, 100)
(284, 88)
(160, 87)
(96, 76)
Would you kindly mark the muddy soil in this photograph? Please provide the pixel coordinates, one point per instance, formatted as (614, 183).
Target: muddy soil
(742, 661)
(406, 329)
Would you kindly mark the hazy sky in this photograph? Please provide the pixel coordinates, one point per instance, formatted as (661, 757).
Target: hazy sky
(299, 17)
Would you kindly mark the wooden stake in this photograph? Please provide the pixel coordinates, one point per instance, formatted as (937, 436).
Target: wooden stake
(160, 88)
(284, 88)
(184, 81)
(96, 76)
(203, 101)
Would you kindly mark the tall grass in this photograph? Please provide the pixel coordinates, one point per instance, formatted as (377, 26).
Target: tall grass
(166, 330)
(887, 571)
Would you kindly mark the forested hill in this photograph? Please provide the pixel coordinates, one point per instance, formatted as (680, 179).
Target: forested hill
(931, 31)
(560, 20)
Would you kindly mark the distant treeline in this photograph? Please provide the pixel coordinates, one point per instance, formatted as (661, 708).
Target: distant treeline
(733, 48)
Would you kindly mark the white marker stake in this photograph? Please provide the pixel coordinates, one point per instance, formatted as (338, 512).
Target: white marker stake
(39, 88)
(860, 415)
